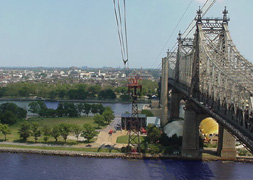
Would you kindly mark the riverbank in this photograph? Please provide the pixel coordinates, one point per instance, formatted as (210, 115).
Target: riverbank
(75, 101)
(117, 155)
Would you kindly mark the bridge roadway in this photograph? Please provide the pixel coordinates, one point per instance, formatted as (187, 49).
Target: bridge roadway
(239, 132)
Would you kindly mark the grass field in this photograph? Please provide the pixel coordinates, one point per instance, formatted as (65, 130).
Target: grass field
(124, 139)
(62, 148)
(14, 136)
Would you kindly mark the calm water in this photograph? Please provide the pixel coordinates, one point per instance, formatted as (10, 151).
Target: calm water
(118, 108)
(42, 167)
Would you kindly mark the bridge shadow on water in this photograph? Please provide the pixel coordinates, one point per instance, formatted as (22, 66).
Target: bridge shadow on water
(178, 170)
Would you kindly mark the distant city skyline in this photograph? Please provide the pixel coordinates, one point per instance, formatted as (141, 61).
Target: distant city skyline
(64, 33)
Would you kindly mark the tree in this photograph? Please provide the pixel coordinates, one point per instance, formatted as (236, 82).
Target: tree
(147, 112)
(77, 130)
(36, 132)
(107, 94)
(24, 130)
(10, 113)
(70, 110)
(89, 132)
(37, 107)
(55, 133)
(8, 117)
(94, 108)
(46, 131)
(108, 114)
(99, 120)
(101, 108)
(5, 130)
(125, 97)
(60, 110)
(87, 108)
(80, 108)
(153, 133)
(64, 131)
(93, 90)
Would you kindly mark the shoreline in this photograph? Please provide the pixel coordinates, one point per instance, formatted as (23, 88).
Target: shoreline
(77, 101)
(118, 155)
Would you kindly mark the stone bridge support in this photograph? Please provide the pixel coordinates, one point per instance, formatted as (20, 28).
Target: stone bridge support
(175, 104)
(192, 119)
(226, 144)
(164, 92)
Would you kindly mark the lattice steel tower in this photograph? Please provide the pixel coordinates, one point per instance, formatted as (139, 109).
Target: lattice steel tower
(134, 123)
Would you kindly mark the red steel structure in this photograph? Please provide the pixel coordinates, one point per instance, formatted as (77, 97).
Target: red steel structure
(134, 87)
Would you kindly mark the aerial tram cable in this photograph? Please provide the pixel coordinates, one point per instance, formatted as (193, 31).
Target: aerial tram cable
(171, 34)
(205, 8)
(122, 29)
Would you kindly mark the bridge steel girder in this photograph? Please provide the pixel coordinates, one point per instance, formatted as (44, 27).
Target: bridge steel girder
(216, 77)
(237, 131)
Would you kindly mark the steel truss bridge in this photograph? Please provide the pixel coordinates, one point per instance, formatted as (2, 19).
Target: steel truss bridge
(210, 72)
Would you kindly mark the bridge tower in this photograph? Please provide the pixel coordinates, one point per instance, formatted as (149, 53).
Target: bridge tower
(214, 30)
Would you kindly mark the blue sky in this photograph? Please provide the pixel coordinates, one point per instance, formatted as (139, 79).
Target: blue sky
(64, 33)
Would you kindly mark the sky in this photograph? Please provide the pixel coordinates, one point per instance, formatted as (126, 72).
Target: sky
(65, 33)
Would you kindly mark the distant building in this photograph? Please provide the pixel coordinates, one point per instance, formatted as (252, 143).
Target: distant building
(127, 118)
(153, 120)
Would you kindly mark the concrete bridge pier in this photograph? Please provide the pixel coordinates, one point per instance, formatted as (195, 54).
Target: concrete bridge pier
(190, 145)
(175, 104)
(164, 92)
(226, 144)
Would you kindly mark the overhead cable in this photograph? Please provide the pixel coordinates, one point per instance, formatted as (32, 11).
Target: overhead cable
(122, 28)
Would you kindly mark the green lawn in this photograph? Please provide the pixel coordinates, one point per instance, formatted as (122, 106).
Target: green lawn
(62, 148)
(124, 139)
(14, 136)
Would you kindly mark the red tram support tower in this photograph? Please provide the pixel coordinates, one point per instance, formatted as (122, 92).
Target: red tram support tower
(135, 125)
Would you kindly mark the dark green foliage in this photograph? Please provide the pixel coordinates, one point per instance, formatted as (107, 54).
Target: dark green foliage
(101, 108)
(55, 132)
(94, 108)
(154, 148)
(70, 109)
(125, 97)
(108, 114)
(35, 131)
(8, 117)
(37, 107)
(46, 131)
(107, 94)
(77, 130)
(126, 149)
(86, 109)
(89, 132)
(64, 129)
(24, 130)
(153, 133)
(174, 141)
(78, 91)
(10, 113)
(147, 112)
(93, 91)
(2, 91)
(99, 120)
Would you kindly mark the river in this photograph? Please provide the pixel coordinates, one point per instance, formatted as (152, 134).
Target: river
(118, 108)
(44, 167)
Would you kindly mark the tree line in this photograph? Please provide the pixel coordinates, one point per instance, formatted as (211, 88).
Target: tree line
(27, 129)
(67, 109)
(78, 91)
